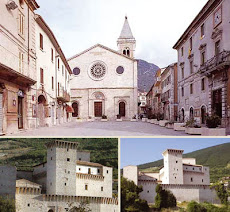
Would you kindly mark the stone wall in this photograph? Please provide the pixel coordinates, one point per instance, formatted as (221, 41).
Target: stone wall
(149, 191)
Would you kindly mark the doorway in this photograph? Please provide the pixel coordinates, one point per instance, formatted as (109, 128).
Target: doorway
(122, 109)
(217, 102)
(75, 109)
(98, 109)
(41, 110)
(203, 115)
(20, 112)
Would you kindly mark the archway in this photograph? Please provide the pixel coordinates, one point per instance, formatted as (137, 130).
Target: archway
(41, 110)
(122, 109)
(76, 109)
(191, 113)
(203, 114)
(99, 104)
(182, 115)
(50, 210)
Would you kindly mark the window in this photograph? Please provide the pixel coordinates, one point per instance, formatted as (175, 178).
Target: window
(191, 67)
(52, 55)
(107, 171)
(176, 161)
(98, 171)
(21, 62)
(182, 51)
(58, 89)
(120, 70)
(79, 158)
(191, 44)
(202, 31)
(182, 91)
(65, 184)
(62, 70)
(41, 76)
(182, 72)
(41, 41)
(76, 71)
(21, 20)
(217, 48)
(52, 83)
(101, 188)
(191, 88)
(202, 180)
(86, 187)
(68, 159)
(191, 179)
(202, 84)
(58, 64)
(51, 158)
(202, 58)
(89, 171)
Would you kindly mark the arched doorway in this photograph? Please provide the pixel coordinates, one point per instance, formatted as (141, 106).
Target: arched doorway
(76, 109)
(191, 113)
(41, 110)
(203, 115)
(122, 109)
(99, 104)
(182, 114)
(50, 210)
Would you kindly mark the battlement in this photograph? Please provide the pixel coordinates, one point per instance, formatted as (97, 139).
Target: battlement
(90, 176)
(185, 186)
(173, 151)
(65, 198)
(62, 144)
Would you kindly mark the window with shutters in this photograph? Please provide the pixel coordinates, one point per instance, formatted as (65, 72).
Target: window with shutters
(41, 76)
(52, 54)
(41, 41)
(21, 24)
(21, 62)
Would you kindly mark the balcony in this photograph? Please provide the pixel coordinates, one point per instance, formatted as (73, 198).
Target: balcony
(63, 95)
(218, 62)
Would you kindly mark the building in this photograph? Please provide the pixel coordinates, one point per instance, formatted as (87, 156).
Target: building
(17, 65)
(104, 81)
(182, 176)
(203, 65)
(169, 96)
(67, 179)
(53, 78)
(142, 103)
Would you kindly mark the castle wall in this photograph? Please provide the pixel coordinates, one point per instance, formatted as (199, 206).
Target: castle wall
(131, 173)
(28, 175)
(40, 175)
(85, 170)
(83, 156)
(8, 181)
(149, 191)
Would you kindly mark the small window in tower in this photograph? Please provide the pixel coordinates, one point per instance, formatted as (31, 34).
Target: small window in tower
(68, 159)
(124, 52)
(147, 191)
(79, 158)
(202, 180)
(86, 187)
(28, 205)
(98, 171)
(101, 188)
(176, 161)
(65, 184)
(79, 169)
(191, 179)
(67, 149)
(89, 171)
(175, 177)
(51, 183)
(193, 168)
(68, 172)
(51, 158)
(107, 171)
(128, 52)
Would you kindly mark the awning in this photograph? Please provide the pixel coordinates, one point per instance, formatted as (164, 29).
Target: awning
(69, 109)
(13, 76)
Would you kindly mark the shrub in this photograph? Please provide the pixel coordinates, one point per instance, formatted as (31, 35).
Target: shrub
(195, 207)
(7, 205)
(164, 198)
(213, 121)
(134, 117)
(160, 116)
(221, 193)
(104, 117)
(190, 123)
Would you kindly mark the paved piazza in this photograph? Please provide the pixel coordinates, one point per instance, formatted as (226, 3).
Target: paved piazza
(97, 128)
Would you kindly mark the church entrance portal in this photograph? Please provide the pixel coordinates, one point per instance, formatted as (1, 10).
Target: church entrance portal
(122, 109)
(98, 109)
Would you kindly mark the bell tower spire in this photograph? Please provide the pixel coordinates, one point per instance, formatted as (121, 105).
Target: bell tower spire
(126, 42)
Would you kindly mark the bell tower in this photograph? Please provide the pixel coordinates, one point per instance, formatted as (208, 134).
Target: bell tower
(126, 42)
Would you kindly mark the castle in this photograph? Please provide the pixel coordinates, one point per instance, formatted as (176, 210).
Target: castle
(182, 176)
(67, 179)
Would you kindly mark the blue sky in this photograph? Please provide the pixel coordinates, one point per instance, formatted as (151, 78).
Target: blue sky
(156, 25)
(135, 151)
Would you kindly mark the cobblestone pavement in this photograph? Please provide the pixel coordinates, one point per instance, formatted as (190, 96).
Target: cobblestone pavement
(97, 128)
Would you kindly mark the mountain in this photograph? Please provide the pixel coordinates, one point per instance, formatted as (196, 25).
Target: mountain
(217, 158)
(146, 75)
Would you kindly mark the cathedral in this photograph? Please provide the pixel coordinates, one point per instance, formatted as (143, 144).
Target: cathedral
(104, 81)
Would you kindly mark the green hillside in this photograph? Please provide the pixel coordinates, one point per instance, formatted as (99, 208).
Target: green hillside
(26, 152)
(216, 157)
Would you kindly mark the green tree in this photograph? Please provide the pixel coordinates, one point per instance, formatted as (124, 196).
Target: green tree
(195, 207)
(164, 198)
(82, 207)
(221, 193)
(130, 199)
(7, 205)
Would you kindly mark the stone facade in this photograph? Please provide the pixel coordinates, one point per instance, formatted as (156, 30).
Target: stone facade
(186, 180)
(61, 183)
(104, 81)
(17, 65)
(203, 65)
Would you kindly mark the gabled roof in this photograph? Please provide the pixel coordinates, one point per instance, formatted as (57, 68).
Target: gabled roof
(104, 47)
(126, 32)
(27, 184)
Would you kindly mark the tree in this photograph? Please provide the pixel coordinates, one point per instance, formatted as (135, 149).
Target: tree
(221, 193)
(130, 199)
(7, 205)
(164, 198)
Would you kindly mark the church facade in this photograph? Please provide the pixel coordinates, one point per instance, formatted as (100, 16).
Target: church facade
(104, 81)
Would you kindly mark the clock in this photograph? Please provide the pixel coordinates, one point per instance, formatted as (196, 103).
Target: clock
(217, 17)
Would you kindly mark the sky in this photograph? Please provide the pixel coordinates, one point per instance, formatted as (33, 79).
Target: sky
(156, 25)
(136, 151)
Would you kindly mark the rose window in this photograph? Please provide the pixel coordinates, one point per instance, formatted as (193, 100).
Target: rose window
(98, 70)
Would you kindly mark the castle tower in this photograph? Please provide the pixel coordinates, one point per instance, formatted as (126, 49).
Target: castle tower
(126, 42)
(173, 166)
(61, 168)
